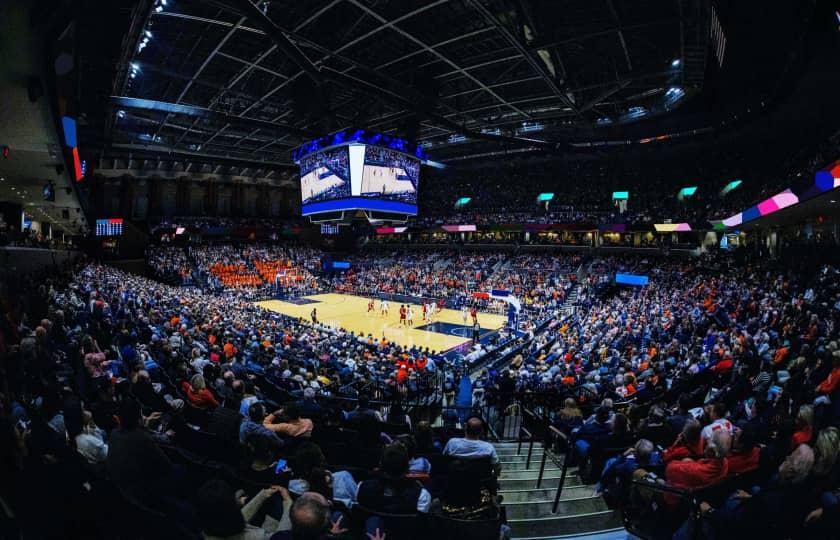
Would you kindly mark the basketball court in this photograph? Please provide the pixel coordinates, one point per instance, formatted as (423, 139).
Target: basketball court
(445, 332)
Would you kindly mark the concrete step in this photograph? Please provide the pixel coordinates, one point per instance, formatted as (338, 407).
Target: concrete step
(508, 484)
(533, 473)
(553, 526)
(565, 507)
(522, 458)
(545, 493)
(534, 466)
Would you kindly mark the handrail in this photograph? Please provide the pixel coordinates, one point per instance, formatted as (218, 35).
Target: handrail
(559, 434)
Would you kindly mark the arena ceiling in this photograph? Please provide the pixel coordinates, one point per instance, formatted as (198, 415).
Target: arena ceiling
(248, 82)
(231, 87)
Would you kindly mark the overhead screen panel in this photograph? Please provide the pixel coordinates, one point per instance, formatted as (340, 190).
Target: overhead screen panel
(359, 177)
(325, 176)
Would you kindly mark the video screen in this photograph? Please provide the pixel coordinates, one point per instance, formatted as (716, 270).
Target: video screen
(325, 176)
(391, 175)
(109, 227)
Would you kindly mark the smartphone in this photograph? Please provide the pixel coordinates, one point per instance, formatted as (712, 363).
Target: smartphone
(281, 464)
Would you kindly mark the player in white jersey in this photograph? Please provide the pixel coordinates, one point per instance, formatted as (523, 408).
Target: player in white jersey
(464, 314)
(410, 316)
(384, 308)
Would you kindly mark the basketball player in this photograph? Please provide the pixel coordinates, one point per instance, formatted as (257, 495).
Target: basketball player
(464, 314)
(314, 316)
(474, 314)
(384, 308)
(410, 315)
(370, 305)
(425, 312)
(402, 314)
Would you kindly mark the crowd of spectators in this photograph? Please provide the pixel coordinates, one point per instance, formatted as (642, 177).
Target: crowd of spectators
(113, 384)
(507, 192)
(731, 374)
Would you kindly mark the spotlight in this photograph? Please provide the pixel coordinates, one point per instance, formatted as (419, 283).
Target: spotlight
(158, 9)
(148, 33)
(676, 62)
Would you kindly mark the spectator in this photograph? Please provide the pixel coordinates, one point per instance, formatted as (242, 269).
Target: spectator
(471, 446)
(198, 394)
(222, 518)
(290, 424)
(391, 492)
(708, 471)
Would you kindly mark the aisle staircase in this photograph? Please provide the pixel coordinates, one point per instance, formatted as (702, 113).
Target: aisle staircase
(529, 509)
(571, 300)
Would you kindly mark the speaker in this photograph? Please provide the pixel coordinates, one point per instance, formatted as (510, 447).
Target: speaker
(68, 190)
(65, 214)
(59, 169)
(34, 89)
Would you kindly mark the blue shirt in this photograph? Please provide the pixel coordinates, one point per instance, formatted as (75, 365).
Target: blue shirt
(467, 448)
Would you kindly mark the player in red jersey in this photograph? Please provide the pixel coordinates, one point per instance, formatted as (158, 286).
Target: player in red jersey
(402, 314)
(474, 314)
(370, 305)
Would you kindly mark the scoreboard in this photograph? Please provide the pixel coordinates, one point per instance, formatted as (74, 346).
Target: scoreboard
(109, 227)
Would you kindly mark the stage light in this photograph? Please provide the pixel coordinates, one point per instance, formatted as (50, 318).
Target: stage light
(542, 197)
(620, 195)
(676, 63)
(6, 152)
(158, 9)
(121, 114)
(148, 33)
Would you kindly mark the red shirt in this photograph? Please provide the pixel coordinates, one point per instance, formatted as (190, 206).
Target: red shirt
(692, 475)
(682, 450)
(802, 436)
(203, 399)
(742, 462)
(830, 383)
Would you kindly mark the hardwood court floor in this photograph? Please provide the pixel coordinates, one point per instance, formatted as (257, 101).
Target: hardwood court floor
(350, 312)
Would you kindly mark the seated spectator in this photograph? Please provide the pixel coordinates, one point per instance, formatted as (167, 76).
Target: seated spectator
(708, 471)
(198, 394)
(590, 432)
(620, 469)
(424, 437)
(391, 492)
(471, 446)
(290, 423)
(689, 443)
(745, 455)
(249, 397)
(310, 517)
(569, 417)
(309, 407)
(655, 429)
(363, 410)
(397, 415)
(418, 466)
(84, 434)
(717, 415)
(804, 426)
(135, 462)
(221, 517)
(254, 425)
